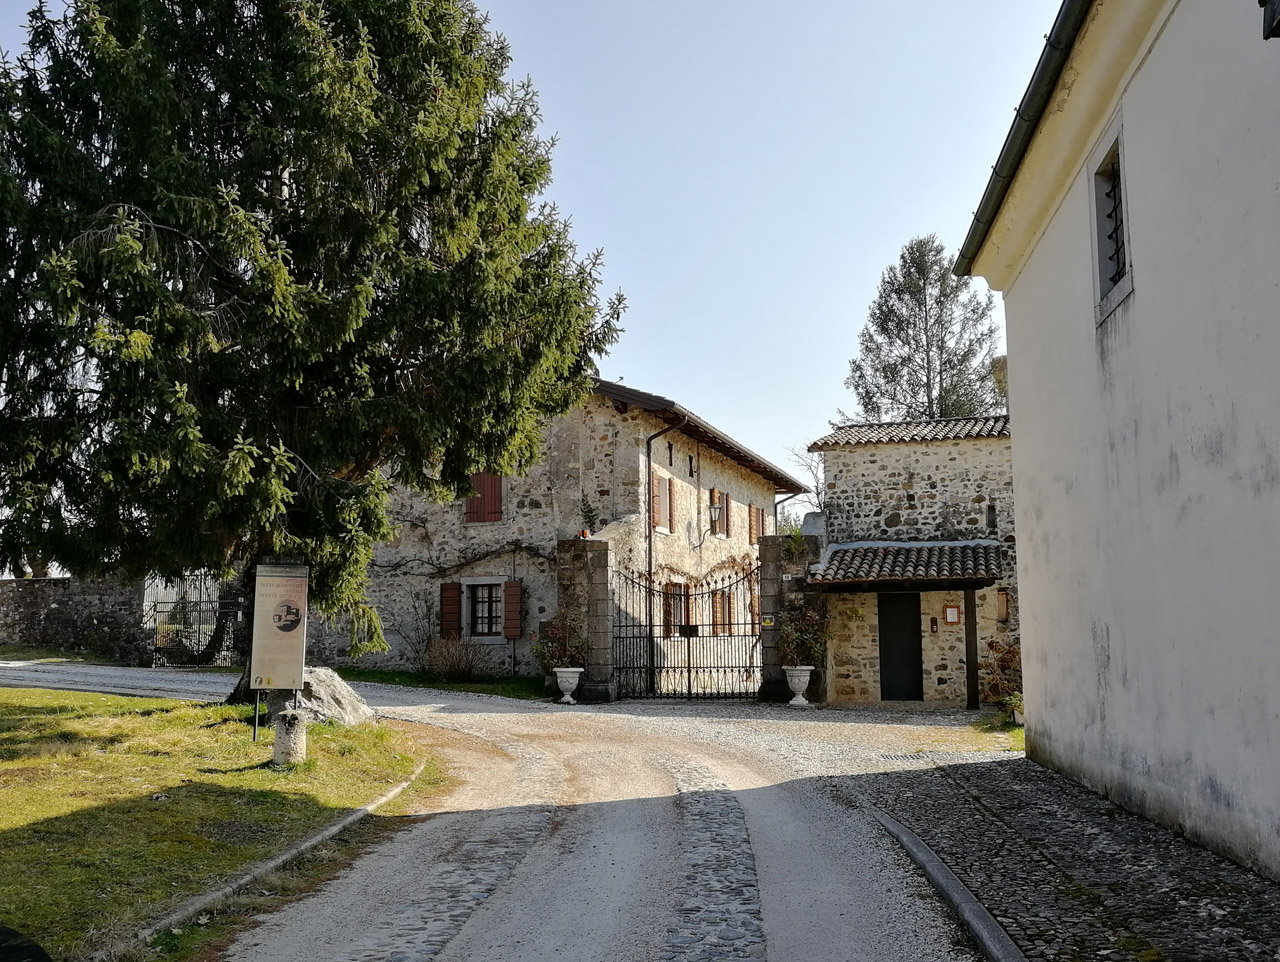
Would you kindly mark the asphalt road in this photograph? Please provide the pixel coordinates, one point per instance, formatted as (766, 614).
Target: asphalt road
(632, 832)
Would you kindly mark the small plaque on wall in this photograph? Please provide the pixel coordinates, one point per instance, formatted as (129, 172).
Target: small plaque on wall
(951, 614)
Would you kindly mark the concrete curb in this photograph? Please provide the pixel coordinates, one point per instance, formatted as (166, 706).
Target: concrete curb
(993, 940)
(205, 900)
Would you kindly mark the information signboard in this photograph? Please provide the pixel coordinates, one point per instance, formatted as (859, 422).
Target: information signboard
(279, 627)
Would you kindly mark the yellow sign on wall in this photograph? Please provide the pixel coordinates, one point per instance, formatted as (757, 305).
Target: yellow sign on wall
(279, 627)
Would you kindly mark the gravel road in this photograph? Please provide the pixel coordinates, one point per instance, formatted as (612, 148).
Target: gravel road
(633, 832)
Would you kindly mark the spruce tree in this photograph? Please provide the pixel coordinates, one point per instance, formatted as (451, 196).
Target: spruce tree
(263, 259)
(926, 349)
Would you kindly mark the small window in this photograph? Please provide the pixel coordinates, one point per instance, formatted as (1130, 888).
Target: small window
(671, 455)
(991, 517)
(675, 607)
(691, 465)
(662, 501)
(486, 505)
(1111, 231)
(485, 609)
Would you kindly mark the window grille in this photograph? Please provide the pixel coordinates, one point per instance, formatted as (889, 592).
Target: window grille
(1115, 223)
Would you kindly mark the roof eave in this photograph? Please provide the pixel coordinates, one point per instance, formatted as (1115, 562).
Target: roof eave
(1026, 120)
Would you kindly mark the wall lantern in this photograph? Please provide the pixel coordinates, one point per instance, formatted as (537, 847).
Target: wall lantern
(714, 512)
(1002, 604)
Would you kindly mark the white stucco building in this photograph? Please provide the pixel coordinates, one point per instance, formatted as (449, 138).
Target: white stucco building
(1132, 223)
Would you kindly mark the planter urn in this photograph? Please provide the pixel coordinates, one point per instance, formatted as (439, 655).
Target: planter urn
(567, 679)
(798, 681)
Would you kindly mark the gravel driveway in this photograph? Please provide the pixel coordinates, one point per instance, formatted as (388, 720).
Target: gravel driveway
(630, 832)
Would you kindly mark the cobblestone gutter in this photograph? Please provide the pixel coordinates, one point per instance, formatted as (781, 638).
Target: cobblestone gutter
(1071, 876)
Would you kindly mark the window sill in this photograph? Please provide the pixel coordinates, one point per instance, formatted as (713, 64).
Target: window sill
(1115, 297)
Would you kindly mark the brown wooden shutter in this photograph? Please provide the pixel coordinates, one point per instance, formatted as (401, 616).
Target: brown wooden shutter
(716, 526)
(512, 610)
(753, 528)
(668, 609)
(487, 503)
(451, 609)
(655, 500)
(724, 515)
(671, 504)
(717, 613)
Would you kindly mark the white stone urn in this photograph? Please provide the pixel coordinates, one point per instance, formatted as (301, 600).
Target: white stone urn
(798, 681)
(567, 679)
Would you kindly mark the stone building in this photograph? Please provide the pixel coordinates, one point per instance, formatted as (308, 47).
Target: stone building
(632, 469)
(1131, 223)
(917, 564)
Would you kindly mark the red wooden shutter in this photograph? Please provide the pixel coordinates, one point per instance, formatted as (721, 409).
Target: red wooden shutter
(717, 613)
(671, 504)
(716, 526)
(753, 527)
(724, 515)
(655, 500)
(451, 609)
(475, 506)
(512, 610)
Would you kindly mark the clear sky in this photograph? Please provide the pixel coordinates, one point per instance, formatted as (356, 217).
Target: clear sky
(750, 168)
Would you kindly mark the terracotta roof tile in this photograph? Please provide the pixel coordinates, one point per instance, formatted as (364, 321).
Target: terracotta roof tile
(901, 432)
(910, 561)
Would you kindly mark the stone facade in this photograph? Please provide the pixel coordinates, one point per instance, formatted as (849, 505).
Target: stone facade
(593, 475)
(920, 491)
(96, 616)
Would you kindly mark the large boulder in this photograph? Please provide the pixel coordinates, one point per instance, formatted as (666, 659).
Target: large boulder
(324, 696)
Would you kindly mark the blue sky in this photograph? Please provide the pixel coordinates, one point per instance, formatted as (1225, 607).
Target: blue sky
(750, 168)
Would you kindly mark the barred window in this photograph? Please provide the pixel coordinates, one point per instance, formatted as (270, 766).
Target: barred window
(1111, 230)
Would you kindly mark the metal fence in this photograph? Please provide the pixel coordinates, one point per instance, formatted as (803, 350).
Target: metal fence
(198, 621)
(687, 640)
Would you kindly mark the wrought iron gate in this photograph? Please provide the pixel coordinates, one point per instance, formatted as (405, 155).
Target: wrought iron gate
(197, 620)
(677, 640)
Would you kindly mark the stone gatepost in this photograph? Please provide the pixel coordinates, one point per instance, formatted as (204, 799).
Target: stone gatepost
(784, 566)
(582, 582)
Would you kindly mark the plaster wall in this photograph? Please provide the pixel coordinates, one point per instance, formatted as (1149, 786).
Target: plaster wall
(1148, 451)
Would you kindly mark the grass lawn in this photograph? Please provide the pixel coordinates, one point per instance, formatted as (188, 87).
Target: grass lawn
(1001, 722)
(10, 652)
(115, 809)
(530, 689)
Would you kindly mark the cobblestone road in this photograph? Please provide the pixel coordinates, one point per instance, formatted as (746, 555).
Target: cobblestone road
(694, 832)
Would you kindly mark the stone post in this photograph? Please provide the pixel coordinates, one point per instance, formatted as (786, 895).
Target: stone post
(784, 566)
(291, 738)
(583, 567)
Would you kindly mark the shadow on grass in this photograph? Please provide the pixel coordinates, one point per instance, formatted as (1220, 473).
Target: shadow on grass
(84, 881)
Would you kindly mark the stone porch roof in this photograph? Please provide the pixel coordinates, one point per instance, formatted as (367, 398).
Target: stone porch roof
(903, 432)
(885, 562)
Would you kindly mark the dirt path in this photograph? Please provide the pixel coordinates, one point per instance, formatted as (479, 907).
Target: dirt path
(633, 834)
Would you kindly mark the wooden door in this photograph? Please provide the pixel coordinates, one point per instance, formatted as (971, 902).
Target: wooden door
(901, 651)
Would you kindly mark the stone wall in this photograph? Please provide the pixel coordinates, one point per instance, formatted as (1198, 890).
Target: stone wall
(94, 616)
(924, 491)
(593, 469)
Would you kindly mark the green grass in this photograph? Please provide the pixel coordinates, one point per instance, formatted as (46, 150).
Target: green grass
(1001, 722)
(529, 689)
(13, 652)
(117, 808)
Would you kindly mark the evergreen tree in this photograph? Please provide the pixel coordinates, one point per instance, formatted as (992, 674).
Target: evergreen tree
(926, 349)
(262, 259)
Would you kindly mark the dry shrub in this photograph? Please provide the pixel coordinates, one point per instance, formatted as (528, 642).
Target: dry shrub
(455, 659)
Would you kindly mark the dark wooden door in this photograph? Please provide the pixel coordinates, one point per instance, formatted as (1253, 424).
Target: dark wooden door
(901, 653)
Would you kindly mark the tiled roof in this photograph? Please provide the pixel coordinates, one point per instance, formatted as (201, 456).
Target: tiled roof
(900, 432)
(882, 561)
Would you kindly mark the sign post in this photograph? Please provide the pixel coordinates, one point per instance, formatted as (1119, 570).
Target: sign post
(279, 653)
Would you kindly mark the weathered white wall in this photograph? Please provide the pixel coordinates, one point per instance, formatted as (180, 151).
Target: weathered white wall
(1148, 453)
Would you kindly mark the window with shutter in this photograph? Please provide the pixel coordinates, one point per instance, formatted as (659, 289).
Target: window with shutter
(512, 610)
(451, 609)
(675, 608)
(486, 505)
